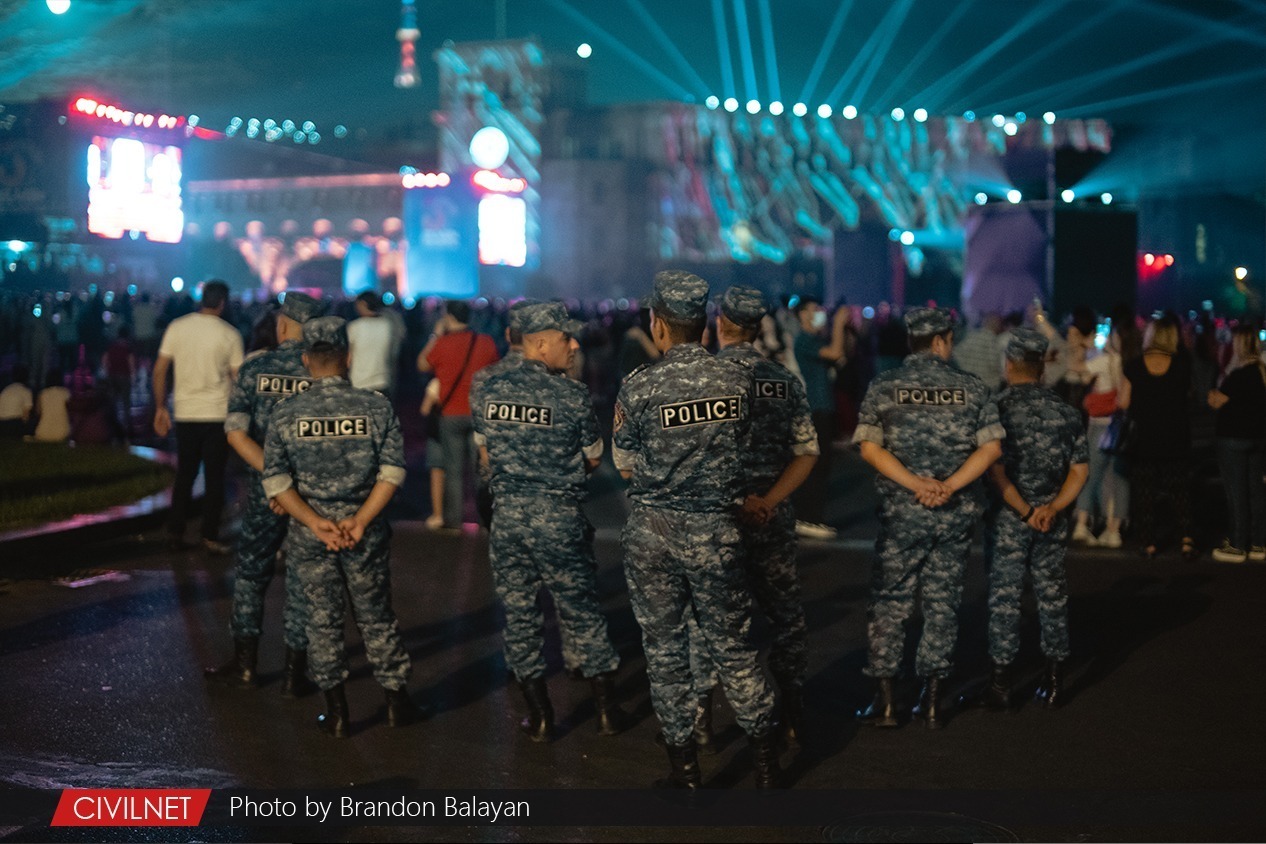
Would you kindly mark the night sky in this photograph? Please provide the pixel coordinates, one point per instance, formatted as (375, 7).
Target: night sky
(1151, 63)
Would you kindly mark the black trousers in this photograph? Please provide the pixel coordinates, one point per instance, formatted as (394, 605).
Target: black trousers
(199, 443)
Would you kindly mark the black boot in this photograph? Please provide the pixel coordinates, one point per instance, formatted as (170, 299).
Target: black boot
(240, 670)
(401, 710)
(335, 721)
(1051, 690)
(685, 771)
(703, 724)
(612, 720)
(997, 695)
(929, 704)
(539, 723)
(792, 710)
(882, 711)
(765, 760)
(294, 677)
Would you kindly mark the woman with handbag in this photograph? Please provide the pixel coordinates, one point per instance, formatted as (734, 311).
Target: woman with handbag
(1155, 393)
(1107, 491)
(1240, 402)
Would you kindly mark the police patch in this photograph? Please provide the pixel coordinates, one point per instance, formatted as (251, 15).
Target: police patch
(932, 396)
(700, 412)
(281, 385)
(771, 390)
(521, 414)
(620, 416)
(332, 427)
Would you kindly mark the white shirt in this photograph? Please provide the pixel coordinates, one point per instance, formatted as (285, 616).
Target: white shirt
(373, 345)
(16, 401)
(205, 351)
(54, 423)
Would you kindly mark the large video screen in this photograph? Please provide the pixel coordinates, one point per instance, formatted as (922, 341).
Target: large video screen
(134, 190)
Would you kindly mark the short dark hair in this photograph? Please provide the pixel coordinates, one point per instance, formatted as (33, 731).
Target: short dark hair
(747, 332)
(1030, 368)
(326, 355)
(458, 310)
(683, 330)
(804, 303)
(515, 336)
(215, 293)
(371, 299)
(923, 342)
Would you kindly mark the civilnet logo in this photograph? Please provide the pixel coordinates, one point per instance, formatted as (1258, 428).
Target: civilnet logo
(131, 807)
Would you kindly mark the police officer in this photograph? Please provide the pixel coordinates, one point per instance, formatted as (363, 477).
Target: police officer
(539, 435)
(680, 426)
(333, 459)
(931, 431)
(783, 450)
(1045, 463)
(261, 382)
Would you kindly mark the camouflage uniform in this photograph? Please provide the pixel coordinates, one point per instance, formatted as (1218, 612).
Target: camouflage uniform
(680, 425)
(782, 428)
(931, 417)
(539, 429)
(261, 383)
(332, 443)
(1044, 438)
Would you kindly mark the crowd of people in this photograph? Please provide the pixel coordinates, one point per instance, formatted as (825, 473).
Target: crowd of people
(723, 414)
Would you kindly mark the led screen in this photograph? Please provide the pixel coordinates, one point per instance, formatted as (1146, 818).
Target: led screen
(503, 230)
(134, 189)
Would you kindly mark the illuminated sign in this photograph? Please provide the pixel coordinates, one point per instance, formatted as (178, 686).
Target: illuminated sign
(89, 107)
(425, 180)
(496, 183)
(134, 188)
(503, 230)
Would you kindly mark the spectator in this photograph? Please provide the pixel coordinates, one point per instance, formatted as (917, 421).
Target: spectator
(1107, 490)
(263, 332)
(815, 358)
(454, 353)
(979, 352)
(206, 352)
(637, 349)
(375, 344)
(54, 424)
(119, 363)
(16, 402)
(145, 326)
(1240, 402)
(1154, 392)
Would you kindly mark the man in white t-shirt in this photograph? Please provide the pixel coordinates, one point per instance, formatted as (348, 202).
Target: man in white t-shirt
(16, 401)
(206, 352)
(374, 342)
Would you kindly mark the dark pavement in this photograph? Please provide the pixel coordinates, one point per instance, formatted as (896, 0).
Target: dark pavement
(103, 687)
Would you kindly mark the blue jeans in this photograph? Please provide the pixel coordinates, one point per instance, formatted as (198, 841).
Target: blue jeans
(1241, 465)
(1107, 489)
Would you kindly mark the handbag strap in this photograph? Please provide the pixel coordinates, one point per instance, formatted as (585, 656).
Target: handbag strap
(469, 350)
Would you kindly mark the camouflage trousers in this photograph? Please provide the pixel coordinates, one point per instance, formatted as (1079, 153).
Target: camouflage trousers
(1011, 549)
(769, 554)
(545, 541)
(923, 550)
(363, 574)
(677, 562)
(263, 533)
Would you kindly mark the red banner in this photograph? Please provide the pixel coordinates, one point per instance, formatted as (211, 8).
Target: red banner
(131, 807)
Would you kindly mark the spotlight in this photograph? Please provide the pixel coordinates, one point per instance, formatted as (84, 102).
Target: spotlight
(969, 116)
(907, 238)
(1241, 273)
(1014, 196)
(849, 112)
(712, 103)
(982, 198)
(1010, 128)
(898, 113)
(1149, 259)
(58, 7)
(999, 120)
(1106, 198)
(753, 106)
(731, 104)
(584, 51)
(894, 234)
(1020, 117)
(177, 284)
(1049, 117)
(775, 108)
(1169, 260)
(799, 109)
(920, 114)
(824, 111)
(1067, 195)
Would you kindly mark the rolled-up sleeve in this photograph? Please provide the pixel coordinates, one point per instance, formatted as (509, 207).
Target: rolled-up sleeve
(391, 456)
(870, 426)
(989, 427)
(278, 473)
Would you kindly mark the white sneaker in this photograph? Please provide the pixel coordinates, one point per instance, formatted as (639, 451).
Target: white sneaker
(1228, 553)
(813, 530)
(1109, 539)
(1257, 554)
(1082, 534)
